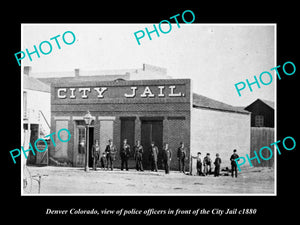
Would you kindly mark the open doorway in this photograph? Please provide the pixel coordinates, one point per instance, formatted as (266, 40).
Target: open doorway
(91, 142)
(152, 130)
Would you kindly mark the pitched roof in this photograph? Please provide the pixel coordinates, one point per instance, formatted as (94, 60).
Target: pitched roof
(32, 83)
(271, 104)
(200, 101)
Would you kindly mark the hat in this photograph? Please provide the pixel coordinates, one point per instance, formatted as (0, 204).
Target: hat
(217, 154)
(207, 154)
(234, 150)
(199, 153)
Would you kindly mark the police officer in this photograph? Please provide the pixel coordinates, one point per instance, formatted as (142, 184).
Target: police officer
(124, 153)
(110, 151)
(181, 156)
(95, 154)
(138, 156)
(217, 163)
(167, 156)
(199, 164)
(233, 163)
(207, 163)
(153, 156)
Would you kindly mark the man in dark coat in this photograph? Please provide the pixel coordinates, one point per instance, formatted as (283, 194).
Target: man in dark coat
(199, 164)
(233, 163)
(207, 164)
(124, 154)
(217, 163)
(153, 157)
(95, 154)
(138, 156)
(110, 151)
(181, 156)
(167, 156)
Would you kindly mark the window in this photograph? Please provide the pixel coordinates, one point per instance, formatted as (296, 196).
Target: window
(259, 121)
(25, 104)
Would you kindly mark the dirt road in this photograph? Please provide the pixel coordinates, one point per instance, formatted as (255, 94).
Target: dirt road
(70, 180)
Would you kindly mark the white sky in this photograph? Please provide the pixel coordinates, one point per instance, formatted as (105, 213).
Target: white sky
(214, 56)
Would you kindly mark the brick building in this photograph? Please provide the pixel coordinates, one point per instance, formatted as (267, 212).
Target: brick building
(146, 110)
(161, 110)
(141, 104)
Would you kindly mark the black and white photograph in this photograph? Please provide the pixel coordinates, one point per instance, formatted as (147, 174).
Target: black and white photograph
(149, 112)
(109, 111)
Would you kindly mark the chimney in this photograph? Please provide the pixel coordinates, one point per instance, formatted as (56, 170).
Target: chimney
(27, 70)
(76, 72)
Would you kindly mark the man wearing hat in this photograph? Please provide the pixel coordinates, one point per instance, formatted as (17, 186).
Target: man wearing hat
(233, 163)
(110, 152)
(181, 156)
(217, 163)
(125, 153)
(138, 156)
(153, 156)
(206, 164)
(167, 156)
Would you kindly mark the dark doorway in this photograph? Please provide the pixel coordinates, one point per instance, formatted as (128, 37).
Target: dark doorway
(91, 142)
(152, 130)
(128, 132)
(34, 135)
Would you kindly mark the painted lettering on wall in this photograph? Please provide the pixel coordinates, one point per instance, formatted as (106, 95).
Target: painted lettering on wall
(131, 92)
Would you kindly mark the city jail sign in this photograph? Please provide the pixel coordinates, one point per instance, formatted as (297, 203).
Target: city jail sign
(120, 92)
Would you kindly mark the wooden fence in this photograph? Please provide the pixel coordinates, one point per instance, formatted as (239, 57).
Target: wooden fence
(260, 137)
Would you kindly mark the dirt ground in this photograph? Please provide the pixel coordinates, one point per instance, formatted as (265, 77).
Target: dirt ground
(70, 181)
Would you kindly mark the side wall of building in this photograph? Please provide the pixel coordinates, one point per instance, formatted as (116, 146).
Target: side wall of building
(220, 132)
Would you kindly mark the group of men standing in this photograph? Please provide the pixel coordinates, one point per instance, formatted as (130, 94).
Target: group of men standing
(108, 156)
(207, 163)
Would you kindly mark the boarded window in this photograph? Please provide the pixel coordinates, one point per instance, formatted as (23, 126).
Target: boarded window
(61, 149)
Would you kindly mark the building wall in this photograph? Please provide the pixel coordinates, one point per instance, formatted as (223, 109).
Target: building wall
(38, 100)
(260, 137)
(113, 108)
(260, 108)
(220, 132)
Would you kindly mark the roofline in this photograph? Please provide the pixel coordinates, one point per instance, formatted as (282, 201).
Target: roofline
(260, 101)
(222, 110)
(31, 89)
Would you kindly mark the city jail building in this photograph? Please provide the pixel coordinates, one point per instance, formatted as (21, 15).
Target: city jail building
(161, 110)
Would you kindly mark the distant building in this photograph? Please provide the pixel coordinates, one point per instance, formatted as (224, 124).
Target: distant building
(36, 111)
(262, 113)
(262, 130)
(147, 72)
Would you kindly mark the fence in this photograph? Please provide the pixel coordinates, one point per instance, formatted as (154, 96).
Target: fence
(260, 137)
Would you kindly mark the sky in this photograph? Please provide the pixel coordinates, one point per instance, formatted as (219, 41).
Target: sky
(214, 56)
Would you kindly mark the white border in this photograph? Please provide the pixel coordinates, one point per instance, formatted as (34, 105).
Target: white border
(125, 194)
